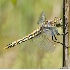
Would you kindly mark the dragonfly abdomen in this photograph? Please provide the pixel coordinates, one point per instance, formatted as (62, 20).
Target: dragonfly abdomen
(28, 37)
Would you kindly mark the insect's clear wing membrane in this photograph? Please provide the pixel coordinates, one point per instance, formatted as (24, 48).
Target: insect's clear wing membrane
(43, 42)
(42, 18)
(50, 31)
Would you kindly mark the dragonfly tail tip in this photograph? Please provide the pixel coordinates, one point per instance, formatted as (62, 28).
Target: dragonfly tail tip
(5, 48)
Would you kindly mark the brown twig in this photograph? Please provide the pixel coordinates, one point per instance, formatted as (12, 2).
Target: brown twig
(65, 37)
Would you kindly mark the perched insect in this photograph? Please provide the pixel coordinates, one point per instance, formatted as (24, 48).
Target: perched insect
(40, 35)
(49, 30)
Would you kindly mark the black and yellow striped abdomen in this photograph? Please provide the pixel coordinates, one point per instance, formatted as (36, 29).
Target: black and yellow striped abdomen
(28, 37)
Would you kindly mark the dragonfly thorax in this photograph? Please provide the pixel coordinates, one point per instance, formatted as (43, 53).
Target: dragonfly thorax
(48, 23)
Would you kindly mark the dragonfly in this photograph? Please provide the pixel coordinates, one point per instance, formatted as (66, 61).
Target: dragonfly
(48, 28)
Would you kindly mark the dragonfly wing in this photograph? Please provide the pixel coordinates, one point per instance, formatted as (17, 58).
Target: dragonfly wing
(43, 42)
(42, 18)
(50, 31)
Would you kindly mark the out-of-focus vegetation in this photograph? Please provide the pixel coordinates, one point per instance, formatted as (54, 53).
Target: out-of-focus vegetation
(19, 18)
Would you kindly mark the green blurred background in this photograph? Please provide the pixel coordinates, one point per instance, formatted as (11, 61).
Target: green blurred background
(19, 18)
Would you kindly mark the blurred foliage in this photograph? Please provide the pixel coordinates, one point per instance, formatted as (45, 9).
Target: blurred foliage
(19, 18)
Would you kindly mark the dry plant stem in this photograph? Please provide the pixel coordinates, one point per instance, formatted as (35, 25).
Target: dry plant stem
(65, 37)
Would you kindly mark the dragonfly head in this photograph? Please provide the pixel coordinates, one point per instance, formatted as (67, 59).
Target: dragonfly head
(58, 22)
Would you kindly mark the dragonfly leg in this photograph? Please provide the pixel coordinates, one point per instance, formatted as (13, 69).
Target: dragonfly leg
(55, 37)
(56, 41)
(62, 33)
(53, 40)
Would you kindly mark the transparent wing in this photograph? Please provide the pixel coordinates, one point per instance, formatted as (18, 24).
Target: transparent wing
(42, 41)
(50, 31)
(42, 18)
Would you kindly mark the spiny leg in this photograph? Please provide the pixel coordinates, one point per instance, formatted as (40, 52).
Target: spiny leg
(56, 40)
(55, 37)
(62, 33)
